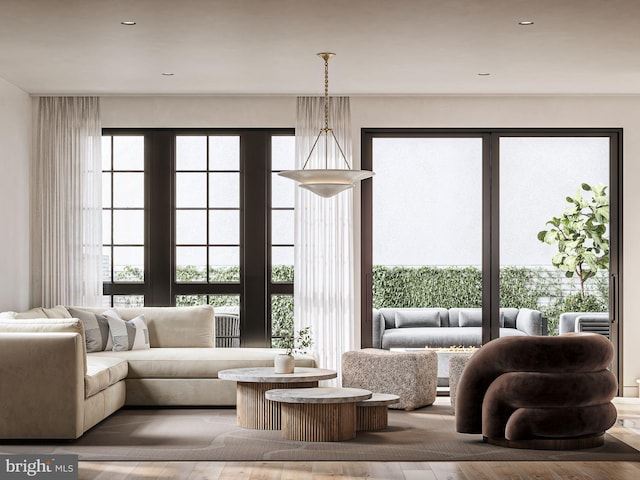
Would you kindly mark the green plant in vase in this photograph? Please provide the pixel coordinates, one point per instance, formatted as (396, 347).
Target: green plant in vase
(292, 342)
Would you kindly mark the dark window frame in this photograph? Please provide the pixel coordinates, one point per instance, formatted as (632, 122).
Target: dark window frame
(255, 287)
(491, 219)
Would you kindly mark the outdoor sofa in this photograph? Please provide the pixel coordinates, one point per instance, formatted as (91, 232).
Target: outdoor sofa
(443, 328)
(594, 322)
(53, 389)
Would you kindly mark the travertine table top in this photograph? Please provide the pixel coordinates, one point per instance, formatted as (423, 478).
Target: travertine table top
(267, 375)
(318, 395)
(379, 399)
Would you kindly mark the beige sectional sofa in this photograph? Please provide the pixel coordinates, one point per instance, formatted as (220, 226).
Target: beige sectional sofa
(51, 388)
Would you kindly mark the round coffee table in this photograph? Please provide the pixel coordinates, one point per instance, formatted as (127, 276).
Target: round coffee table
(253, 410)
(322, 414)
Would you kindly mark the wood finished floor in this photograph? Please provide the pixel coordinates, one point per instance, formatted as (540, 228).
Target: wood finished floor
(627, 429)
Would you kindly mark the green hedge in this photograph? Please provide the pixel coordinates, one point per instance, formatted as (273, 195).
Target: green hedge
(447, 287)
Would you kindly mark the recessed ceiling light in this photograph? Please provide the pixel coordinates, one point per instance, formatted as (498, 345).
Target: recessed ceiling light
(525, 23)
(128, 23)
(167, 74)
(484, 74)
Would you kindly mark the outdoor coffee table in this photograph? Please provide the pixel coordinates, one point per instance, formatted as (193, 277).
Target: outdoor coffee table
(322, 414)
(253, 410)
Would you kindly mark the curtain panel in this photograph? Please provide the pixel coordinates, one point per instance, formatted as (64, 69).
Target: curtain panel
(324, 288)
(67, 211)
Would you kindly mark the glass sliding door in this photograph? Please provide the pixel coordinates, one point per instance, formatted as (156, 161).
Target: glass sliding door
(427, 222)
(520, 222)
(554, 229)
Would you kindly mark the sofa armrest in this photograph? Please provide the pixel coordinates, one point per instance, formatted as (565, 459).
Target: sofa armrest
(377, 328)
(531, 322)
(42, 385)
(597, 322)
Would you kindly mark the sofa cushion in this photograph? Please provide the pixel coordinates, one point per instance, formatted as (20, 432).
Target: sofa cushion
(127, 334)
(473, 318)
(56, 312)
(196, 362)
(173, 326)
(422, 317)
(96, 328)
(510, 315)
(470, 318)
(442, 337)
(102, 372)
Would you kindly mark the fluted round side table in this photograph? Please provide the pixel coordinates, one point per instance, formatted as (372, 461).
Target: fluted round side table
(323, 414)
(373, 414)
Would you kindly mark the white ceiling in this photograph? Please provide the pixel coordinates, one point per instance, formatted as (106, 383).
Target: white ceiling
(384, 47)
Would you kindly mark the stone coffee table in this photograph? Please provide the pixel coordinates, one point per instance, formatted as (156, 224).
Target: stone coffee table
(253, 410)
(322, 414)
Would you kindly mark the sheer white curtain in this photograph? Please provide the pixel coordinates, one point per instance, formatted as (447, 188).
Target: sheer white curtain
(67, 211)
(324, 255)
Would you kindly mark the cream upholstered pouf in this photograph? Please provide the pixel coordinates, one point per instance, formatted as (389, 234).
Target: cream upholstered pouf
(456, 366)
(413, 376)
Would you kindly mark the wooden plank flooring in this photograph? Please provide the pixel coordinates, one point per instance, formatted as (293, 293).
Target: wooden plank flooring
(628, 431)
(361, 470)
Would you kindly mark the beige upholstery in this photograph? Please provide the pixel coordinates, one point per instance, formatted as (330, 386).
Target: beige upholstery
(173, 326)
(57, 391)
(413, 376)
(104, 403)
(177, 392)
(51, 325)
(194, 362)
(56, 312)
(42, 378)
(102, 372)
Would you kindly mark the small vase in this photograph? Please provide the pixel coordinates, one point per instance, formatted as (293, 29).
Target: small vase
(283, 363)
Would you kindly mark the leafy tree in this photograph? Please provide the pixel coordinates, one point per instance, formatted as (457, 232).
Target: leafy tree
(129, 273)
(580, 233)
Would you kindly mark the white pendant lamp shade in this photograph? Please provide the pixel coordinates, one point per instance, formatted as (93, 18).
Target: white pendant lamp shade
(327, 182)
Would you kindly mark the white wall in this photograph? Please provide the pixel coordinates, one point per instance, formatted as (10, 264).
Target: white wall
(15, 144)
(430, 111)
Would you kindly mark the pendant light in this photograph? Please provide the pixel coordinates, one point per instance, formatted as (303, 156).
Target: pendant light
(327, 182)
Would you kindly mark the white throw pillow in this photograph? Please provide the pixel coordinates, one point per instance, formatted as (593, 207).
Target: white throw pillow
(8, 314)
(126, 335)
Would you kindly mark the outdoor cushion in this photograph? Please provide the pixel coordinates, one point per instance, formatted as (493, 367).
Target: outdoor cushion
(473, 318)
(442, 337)
(417, 318)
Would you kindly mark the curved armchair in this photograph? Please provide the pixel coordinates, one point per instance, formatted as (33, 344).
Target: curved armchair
(539, 392)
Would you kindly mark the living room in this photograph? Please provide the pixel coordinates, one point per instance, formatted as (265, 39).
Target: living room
(519, 93)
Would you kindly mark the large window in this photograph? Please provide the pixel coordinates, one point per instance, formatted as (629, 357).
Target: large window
(123, 196)
(198, 217)
(457, 218)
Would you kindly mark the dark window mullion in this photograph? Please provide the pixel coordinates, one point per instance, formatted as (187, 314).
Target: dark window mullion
(208, 187)
(112, 266)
